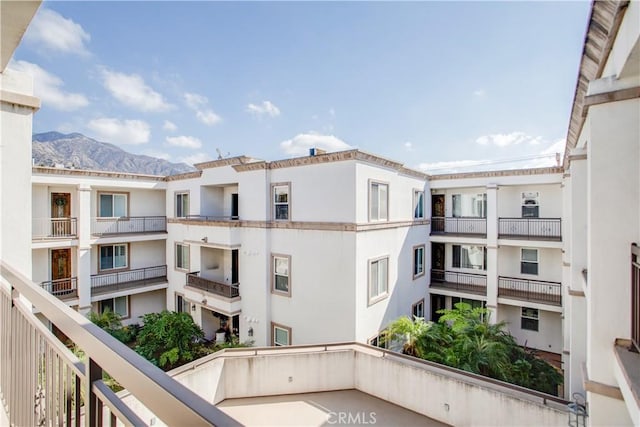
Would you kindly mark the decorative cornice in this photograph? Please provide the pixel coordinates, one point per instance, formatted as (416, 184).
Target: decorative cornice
(181, 176)
(301, 225)
(490, 174)
(598, 387)
(19, 99)
(102, 174)
(612, 96)
(230, 161)
(575, 293)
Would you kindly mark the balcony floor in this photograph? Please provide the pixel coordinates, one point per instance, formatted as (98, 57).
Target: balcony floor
(530, 296)
(476, 290)
(321, 409)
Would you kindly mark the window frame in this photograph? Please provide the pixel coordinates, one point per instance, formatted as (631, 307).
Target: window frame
(536, 262)
(186, 305)
(382, 295)
(482, 197)
(415, 306)
(530, 319)
(459, 257)
(530, 195)
(287, 329)
(417, 274)
(372, 183)
(274, 290)
(175, 258)
(113, 299)
(274, 204)
(380, 338)
(99, 195)
(420, 195)
(176, 204)
(112, 245)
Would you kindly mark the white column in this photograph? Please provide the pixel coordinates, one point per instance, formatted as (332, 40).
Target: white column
(84, 248)
(492, 251)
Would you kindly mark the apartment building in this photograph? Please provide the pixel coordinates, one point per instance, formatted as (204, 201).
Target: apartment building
(323, 248)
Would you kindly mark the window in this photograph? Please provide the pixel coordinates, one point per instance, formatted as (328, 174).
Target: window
(418, 204)
(529, 261)
(417, 309)
(182, 305)
(469, 205)
(530, 207)
(113, 256)
(281, 273)
(112, 205)
(280, 335)
(418, 261)
(472, 302)
(280, 202)
(467, 256)
(378, 201)
(378, 278)
(529, 319)
(380, 340)
(119, 305)
(182, 256)
(182, 205)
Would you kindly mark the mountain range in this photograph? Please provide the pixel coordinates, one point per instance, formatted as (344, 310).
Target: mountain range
(78, 151)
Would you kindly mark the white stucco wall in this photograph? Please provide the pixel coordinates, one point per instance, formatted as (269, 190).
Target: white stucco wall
(549, 334)
(549, 201)
(549, 263)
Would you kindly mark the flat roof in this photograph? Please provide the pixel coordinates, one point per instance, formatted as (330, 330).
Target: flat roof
(343, 407)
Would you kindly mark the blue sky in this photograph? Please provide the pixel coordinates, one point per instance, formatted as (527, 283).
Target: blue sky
(423, 83)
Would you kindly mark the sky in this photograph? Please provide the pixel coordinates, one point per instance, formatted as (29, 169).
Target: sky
(438, 86)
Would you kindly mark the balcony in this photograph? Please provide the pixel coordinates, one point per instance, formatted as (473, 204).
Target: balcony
(456, 281)
(62, 288)
(530, 228)
(54, 228)
(212, 218)
(118, 281)
(530, 290)
(128, 225)
(466, 226)
(195, 281)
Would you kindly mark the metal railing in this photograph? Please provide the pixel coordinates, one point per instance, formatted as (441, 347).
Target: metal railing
(530, 228)
(128, 224)
(456, 225)
(635, 297)
(54, 228)
(44, 383)
(530, 290)
(212, 217)
(230, 291)
(469, 282)
(129, 278)
(62, 288)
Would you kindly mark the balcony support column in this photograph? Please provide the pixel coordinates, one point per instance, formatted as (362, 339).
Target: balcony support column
(84, 248)
(492, 251)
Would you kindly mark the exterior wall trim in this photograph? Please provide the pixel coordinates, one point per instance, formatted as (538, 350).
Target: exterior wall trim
(302, 225)
(613, 96)
(598, 387)
(490, 174)
(22, 100)
(102, 174)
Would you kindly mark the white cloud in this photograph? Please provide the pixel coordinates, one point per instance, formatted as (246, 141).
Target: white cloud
(300, 144)
(408, 146)
(184, 141)
(267, 108)
(131, 90)
(195, 158)
(479, 92)
(200, 104)
(169, 126)
(48, 88)
(508, 139)
(157, 154)
(117, 131)
(50, 31)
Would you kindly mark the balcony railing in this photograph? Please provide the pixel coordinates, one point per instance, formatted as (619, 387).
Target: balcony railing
(54, 228)
(454, 280)
(128, 224)
(635, 297)
(62, 288)
(128, 279)
(530, 228)
(530, 290)
(44, 383)
(455, 225)
(230, 291)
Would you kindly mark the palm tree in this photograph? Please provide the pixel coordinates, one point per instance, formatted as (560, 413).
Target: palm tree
(409, 331)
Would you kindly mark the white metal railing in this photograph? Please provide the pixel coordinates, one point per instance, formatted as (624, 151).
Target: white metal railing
(54, 228)
(43, 383)
(128, 224)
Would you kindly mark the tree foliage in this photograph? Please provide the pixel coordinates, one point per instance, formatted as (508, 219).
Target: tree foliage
(169, 339)
(464, 338)
(112, 323)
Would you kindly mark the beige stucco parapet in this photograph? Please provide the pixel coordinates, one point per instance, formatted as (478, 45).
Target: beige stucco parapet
(489, 174)
(101, 174)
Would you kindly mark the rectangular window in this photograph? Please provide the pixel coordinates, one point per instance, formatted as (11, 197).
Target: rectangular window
(182, 205)
(281, 335)
(418, 261)
(378, 201)
(380, 340)
(472, 302)
(182, 256)
(529, 319)
(467, 256)
(530, 206)
(418, 204)
(281, 202)
(119, 305)
(113, 256)
(529, 261)
(417, 310)
(182, 305)
(378, 278)
(112, 205)
(469, 205)
(281, 274)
